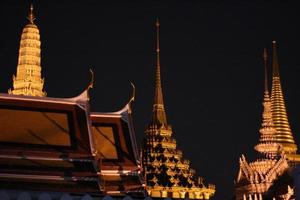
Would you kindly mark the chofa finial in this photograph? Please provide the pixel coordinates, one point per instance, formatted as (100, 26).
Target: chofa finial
(91, 84)
(85, 96)
(132, 99)
(133, 93)
(31, 17)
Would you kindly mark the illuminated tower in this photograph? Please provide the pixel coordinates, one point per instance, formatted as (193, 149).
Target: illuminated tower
(267, 145)
(265, 177)
(28, 79)
(167, 173)
(284, 135)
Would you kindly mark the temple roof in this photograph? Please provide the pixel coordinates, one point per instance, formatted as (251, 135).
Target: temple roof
(116, 144)
(46, 144)
(57, 144)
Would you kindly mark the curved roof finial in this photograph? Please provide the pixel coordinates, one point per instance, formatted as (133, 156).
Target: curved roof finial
(91, 84)
(31, 17)
(132, 99)
(85, 96)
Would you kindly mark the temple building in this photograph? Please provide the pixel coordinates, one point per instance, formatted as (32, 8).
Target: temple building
(270, 176)
(28, 79)
(57, 148)
(166, 172)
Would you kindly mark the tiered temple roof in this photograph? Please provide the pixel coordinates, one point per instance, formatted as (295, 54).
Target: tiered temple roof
(115, 143)
(46, 145)
(269, 176)
(167, 173)
(57, 145)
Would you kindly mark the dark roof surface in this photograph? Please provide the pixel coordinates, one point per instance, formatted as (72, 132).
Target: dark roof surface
(57, 145)
(46, 144)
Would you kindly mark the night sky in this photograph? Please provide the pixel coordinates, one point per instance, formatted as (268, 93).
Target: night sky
(212, 69)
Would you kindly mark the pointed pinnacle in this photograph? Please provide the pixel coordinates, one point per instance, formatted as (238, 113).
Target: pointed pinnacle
(275, 61)
(158, 78)
(265, 56)
(31, 17)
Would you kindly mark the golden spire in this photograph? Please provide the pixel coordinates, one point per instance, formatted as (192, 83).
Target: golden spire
(159, 114)
(265, 57)
(31, 17)
(267, 142)
(28, 79)
(284, 135)
(167, 173)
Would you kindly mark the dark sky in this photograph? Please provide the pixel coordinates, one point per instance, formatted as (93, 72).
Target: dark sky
(212, 70)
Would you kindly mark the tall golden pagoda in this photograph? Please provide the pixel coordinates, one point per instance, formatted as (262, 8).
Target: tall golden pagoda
(266, 177)
(267, 145)
(166, 172)
(284, 135)
(28, 80)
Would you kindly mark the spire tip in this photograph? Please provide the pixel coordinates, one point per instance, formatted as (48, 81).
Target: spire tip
(31, 17)
(159, 115)
(265, 56)
(275, 60)
(157, 22)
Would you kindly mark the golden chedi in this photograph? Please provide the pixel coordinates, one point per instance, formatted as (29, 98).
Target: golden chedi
(167, 173)
(257, 180)
(28, 79)
(283, 134)
(267, 145)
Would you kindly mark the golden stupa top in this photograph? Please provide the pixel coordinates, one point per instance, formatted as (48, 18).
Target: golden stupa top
(284, 134)
(255, 178)
(28, 79)
(267, 143)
